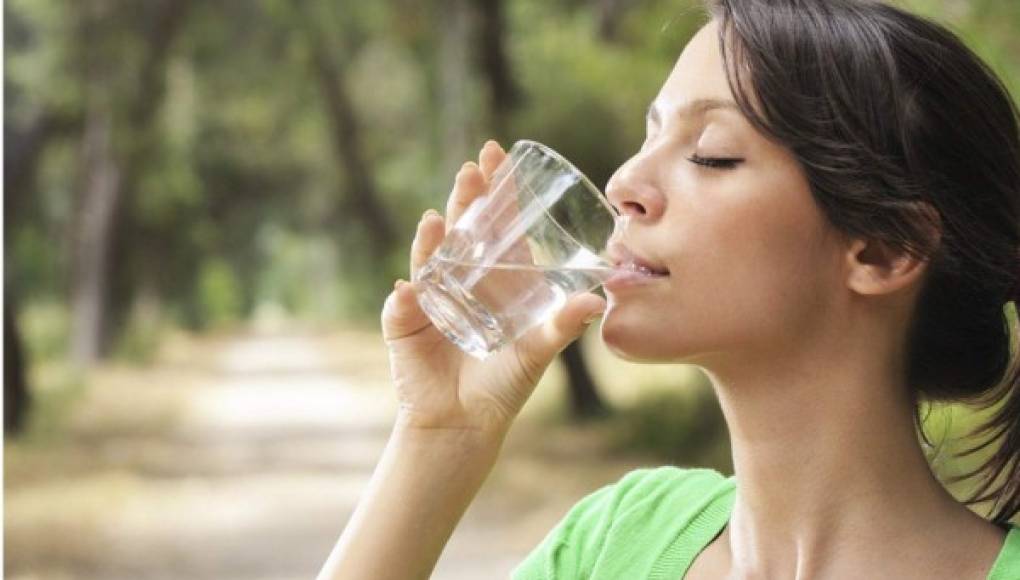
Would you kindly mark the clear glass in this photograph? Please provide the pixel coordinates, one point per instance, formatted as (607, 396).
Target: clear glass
(515, 256)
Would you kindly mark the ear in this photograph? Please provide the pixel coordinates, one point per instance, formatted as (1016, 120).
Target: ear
(875, 268)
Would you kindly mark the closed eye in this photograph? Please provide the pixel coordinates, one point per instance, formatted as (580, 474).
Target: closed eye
(715, 162)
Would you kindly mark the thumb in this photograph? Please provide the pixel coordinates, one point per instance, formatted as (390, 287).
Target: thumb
(541, 344)
(401, 314)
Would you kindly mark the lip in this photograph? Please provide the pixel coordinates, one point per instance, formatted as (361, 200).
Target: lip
(623, 279)
(631, 269)
(624, 258)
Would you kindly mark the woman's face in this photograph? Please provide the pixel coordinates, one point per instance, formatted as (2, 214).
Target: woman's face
(751, 261)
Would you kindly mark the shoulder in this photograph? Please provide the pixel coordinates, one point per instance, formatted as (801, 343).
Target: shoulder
(688, 483)
(643, 506)
(648, 489)
(683, 490)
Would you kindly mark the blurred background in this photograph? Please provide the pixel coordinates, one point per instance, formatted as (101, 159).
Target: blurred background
(205, 204)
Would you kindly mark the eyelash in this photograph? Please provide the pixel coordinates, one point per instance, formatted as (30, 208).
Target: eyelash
(714, 162)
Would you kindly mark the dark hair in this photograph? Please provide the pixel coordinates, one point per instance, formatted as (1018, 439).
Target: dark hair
(909, 139)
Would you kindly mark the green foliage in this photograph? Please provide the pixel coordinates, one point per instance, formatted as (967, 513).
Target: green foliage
(219, 293)
(243, 138)
(301, 276)
(586, 99)
(35, 64)
(45, 327)
(986, 26)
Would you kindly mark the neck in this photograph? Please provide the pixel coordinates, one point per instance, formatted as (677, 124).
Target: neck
(824, 450)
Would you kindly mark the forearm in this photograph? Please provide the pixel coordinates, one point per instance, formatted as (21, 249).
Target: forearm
(418, 492)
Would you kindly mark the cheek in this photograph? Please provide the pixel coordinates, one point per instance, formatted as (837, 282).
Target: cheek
(773, 271)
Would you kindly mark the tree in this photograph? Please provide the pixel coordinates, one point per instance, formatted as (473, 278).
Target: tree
(109, 169)
(17, 396)
(361, 193)
(505, 95)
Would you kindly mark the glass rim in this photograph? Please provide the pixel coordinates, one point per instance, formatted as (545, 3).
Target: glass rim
(588, 185)
(591, 187)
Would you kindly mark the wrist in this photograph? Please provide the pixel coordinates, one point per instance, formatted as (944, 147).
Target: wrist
(408, 429)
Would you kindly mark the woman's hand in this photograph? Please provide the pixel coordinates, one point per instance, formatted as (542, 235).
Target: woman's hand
(454, 412)
(438, 385)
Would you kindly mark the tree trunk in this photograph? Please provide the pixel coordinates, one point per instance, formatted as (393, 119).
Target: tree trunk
(456, 113)
(25, 146)
(361, 190)
(585, 401)
(164, 24)
(106, 179)
(97, 202)
(17, 397)
(504, 93)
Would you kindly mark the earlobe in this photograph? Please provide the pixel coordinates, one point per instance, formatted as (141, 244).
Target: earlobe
(876, 268)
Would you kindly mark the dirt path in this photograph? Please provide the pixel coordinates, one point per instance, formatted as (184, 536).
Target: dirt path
(243, 459)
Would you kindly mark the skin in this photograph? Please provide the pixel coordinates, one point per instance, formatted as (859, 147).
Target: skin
(802, 332)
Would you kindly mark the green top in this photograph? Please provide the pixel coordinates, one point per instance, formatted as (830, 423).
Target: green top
(652, 524)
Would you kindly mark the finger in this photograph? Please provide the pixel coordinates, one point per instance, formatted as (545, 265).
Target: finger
(539, 345)
(467, 187)
(401, 314)
(490, 157)
(428, 237)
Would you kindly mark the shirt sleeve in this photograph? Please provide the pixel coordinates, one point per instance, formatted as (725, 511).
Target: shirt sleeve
(561, 554)
(573, 546)
(627, 527)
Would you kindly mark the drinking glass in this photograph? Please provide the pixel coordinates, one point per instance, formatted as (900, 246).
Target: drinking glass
(537, 237)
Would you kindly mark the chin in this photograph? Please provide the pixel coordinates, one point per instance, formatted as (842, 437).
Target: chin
(633, 343)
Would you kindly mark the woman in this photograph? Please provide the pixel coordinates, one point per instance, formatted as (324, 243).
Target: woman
(831, 189)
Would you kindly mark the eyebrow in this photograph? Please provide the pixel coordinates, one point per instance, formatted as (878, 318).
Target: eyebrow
(696, 107)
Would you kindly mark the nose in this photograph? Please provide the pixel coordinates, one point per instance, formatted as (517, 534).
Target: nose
(632, 193)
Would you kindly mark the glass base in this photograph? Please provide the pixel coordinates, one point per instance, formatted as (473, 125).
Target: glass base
(461, 318)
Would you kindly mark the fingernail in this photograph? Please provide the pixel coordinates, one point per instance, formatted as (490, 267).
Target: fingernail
(594, 316)
(492, 143)
(429, 212)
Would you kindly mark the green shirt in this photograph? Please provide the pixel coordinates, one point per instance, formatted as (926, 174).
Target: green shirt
(652, 524)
